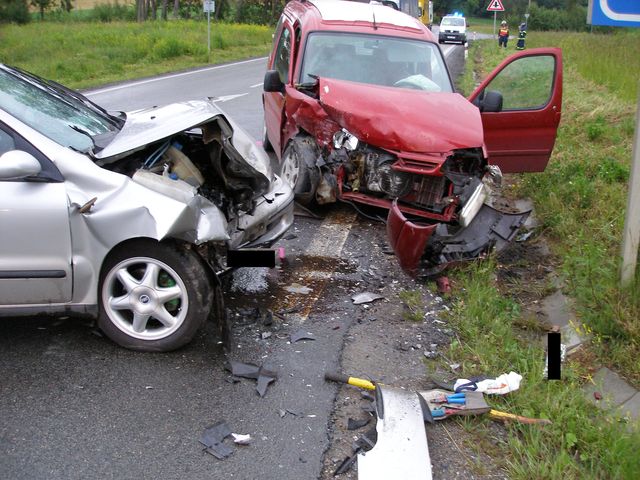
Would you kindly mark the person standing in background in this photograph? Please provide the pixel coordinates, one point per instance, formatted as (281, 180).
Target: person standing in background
(503, 34)
(522, 34)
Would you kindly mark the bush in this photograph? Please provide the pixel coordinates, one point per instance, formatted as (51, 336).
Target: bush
(14, 11)
(107, 12)
(544, 19)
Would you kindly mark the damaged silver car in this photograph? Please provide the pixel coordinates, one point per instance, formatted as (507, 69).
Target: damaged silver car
(128, 217)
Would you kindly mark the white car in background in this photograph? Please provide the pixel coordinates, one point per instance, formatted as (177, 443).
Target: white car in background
(453, 28)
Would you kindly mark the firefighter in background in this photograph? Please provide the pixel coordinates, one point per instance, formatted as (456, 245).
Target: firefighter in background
(503, 34)
(522, 34)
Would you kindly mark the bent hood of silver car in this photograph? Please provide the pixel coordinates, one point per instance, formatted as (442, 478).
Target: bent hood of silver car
(145, 126)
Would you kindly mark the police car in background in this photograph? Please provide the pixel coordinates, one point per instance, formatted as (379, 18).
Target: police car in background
(453, 28)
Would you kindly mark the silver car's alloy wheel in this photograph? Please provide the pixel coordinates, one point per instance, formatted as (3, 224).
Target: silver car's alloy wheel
(145, 298)
(290, 170)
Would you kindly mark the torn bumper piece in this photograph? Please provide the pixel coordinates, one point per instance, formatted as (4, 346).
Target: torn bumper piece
(401, 450)
(427, 249)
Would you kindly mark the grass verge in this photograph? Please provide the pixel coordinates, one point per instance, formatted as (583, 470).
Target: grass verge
(82, 55)
(582, 442)
(580, 200)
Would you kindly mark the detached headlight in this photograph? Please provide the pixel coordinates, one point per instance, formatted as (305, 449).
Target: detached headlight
(342, 138)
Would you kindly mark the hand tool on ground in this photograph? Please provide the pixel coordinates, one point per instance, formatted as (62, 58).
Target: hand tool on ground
(356, 382)
(443, 412)
(498, 415)
(456, 398)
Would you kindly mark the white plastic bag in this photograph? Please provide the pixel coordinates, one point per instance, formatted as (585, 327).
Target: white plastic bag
(505, 383)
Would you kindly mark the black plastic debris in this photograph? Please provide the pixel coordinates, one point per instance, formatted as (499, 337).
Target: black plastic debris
(212, 439)
(247, 370)
(346, 464)
(290, 236)
(353, 424)
(364, 443)
(301, 334)
(263, 383)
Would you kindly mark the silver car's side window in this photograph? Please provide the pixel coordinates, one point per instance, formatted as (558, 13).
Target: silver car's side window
(6, 143)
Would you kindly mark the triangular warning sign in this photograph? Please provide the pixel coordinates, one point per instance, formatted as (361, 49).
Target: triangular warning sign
(495, 6)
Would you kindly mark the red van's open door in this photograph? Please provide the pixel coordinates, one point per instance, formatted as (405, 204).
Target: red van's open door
(520, 104)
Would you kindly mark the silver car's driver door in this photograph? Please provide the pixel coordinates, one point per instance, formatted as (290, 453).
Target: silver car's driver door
(35, 238)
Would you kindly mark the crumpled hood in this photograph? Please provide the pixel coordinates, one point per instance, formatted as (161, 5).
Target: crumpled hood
(152, 124)
(402, 119)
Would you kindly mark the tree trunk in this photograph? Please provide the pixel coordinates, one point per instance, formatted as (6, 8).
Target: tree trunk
(165, 7)
(140, 9)
(176, 8)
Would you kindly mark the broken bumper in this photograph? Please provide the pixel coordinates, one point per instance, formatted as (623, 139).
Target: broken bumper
(427, 249)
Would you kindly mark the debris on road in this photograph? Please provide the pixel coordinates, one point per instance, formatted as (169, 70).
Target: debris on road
(212, 439)
(240, 439)
(401, 449)
(366, 297)
(443, 285)
(353, 424)
(297, 288)
(301, 334)
(247, 370)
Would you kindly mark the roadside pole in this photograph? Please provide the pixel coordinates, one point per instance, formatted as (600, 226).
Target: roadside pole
(208, 6)
(631, 232)
(495, 6)
(494, 24)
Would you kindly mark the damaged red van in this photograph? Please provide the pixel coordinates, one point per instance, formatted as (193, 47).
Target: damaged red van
(359, 106)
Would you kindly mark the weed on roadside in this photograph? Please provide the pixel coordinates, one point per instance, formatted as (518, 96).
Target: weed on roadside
(412, 300)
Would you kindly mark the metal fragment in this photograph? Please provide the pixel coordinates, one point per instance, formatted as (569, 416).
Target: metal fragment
(365, 297)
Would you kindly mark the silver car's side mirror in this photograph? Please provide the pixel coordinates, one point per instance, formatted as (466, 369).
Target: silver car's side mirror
(17, 164)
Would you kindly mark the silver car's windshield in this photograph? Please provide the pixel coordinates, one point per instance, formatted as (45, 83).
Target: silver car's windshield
(62, 115)
(377, 60)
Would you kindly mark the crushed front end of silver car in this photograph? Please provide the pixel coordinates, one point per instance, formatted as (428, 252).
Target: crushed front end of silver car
(229, 197)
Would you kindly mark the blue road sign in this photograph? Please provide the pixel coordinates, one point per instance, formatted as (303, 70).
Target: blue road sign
(614, 13)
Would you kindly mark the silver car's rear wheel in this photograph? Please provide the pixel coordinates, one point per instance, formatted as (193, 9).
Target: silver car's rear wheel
(154, 297)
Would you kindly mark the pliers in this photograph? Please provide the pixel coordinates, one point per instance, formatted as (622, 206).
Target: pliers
(456, 398)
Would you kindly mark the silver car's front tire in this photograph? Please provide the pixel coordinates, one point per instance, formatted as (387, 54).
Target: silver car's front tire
(153, 296)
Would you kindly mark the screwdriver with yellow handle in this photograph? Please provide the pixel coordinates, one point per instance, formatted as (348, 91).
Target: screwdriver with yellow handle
(356, 382)
(498, 415)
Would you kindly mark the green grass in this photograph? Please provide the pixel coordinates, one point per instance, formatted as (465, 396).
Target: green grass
(580, 200)
(82, 55)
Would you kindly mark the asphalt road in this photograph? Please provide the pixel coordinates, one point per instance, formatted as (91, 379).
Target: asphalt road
(75, 406)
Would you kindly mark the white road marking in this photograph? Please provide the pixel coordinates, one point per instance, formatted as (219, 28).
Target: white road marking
(448, 51)
(327, 242)
(175, 75)
(257, 85)
(330, 238)
(226, 98)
